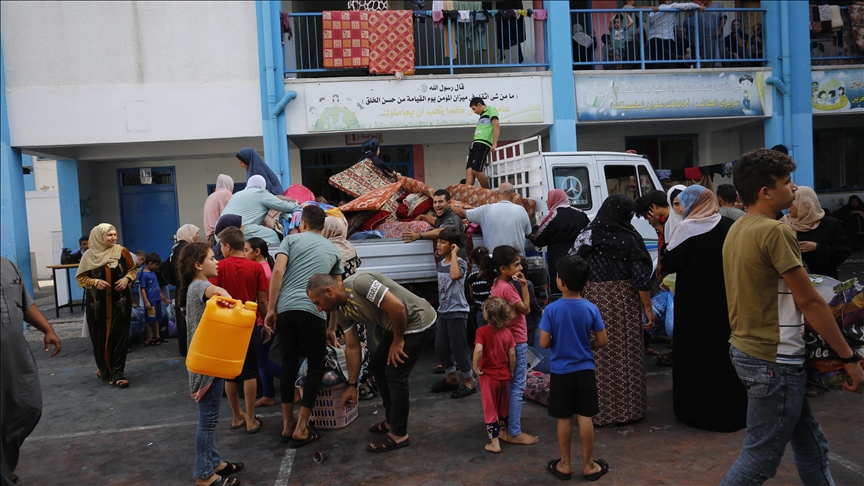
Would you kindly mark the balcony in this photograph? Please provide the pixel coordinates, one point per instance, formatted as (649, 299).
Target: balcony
(640, 38)
(499, 45)
(837, 46)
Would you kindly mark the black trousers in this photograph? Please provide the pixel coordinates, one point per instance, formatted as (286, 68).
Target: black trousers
(180, 319)
(393, 381)
(294, 328)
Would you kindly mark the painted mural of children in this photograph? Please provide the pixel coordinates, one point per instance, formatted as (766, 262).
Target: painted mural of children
(747, 82)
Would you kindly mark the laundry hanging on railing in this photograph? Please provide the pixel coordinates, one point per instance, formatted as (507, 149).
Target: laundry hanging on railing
(697, 173)
(381, 40)
(285, 25)
(346, 39)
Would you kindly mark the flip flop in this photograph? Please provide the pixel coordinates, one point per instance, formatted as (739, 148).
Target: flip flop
(125, 383)
(443, 386)
(552, 467)
(242, 424)
(386, 444)
(604, 468)
(223, 481)
(231, 468)
(463, 392)
(256, 429)
(312, 437)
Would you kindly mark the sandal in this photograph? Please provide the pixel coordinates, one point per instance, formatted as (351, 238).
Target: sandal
(438, 370)
(312, 436)
(230, 468)
(386, 443)
(256, 429)
(651, 352)
(604, 468)
(443, 386)
(552, 467)
(380, 428)
(664, 359)
(463, 392)
(163, 340)
(121, 382)
(223, 481)
(242, 424)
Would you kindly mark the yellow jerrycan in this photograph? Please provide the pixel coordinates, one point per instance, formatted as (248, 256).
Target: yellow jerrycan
(218, 347)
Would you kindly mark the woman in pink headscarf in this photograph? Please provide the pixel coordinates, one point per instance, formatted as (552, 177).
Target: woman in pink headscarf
(215, 204)
(558, 230)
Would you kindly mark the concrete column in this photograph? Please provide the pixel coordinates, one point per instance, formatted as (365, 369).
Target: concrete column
(771, 42)
(70, 210)
(562, 133)
(14, 239)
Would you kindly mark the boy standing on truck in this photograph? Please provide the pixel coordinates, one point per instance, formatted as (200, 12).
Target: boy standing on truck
(485, 139)
(451, 340)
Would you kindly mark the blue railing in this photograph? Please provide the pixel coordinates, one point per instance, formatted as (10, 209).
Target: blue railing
(835, 47)
(641, 38)
(497, 45)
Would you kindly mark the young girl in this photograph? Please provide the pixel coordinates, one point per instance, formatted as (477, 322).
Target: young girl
(479, 283)
(494, 362)
(256, 250)
(508, 267)
(197, 264)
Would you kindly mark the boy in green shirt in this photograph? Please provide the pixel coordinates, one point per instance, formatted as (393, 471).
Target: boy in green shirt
(485, 139)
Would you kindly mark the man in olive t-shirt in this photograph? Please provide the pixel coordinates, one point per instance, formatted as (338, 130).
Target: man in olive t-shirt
(485, 139)
(408, 323)
(767, 290)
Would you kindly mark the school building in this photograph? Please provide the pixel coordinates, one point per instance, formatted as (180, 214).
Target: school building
(125, 112)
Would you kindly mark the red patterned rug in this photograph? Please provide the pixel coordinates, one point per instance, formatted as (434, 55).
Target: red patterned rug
(346, 39)
(391, 42)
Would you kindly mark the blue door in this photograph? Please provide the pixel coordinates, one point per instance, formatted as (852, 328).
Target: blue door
(148, 212)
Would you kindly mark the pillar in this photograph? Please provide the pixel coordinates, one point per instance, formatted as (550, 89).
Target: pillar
(70, 210)
(562, 133)
(271, 67)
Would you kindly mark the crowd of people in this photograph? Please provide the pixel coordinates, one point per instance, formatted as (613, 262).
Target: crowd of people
(744, 274)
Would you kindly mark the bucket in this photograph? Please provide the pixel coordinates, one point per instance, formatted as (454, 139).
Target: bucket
(218, 347)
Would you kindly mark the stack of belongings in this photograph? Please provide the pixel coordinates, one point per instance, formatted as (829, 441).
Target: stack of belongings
(823, 364)
(385, 208)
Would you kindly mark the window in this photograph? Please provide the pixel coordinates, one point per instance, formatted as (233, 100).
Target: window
(158, 177)
(576, 183)
(838, 158)
(621, 179)
(673, 153)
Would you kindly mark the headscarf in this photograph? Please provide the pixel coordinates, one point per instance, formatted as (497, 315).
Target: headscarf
(810, 212)
(336, 230)
(256, 166)
(228, 221)
(673, 218)
(187, 233)
(556, 198)
(256, 182)
(612, 234)
(846, 210)
(99, 254)
(701, 215)
(224, 182)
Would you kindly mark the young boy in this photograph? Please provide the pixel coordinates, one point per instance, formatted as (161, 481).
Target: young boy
(151, 298)
(566, 327)
(243, 279)
(762, 267)
(451, 340)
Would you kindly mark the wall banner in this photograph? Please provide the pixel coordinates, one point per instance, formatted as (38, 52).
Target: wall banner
(685, 95)
(365, 105)
(837, 91)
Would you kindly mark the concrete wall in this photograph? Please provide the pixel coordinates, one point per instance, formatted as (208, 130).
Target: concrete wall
(43, 219)
(130, 71)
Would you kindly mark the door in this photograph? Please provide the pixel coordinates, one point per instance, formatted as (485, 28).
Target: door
(148, 212)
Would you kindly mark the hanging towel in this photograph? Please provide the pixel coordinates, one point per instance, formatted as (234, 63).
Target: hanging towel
(692, 173)
(521, 12)
(285, 23)
(480, 18)
(464, 16)
(391, 42)
(727, 168)
(418, 3)
(421, 15)
(820, 18)
(540, 14)
(437, 15)
(346, 38)
(663, 174)
(452, 15)
(493, 12)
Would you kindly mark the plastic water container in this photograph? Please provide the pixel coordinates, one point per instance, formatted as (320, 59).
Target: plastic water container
(218, 347)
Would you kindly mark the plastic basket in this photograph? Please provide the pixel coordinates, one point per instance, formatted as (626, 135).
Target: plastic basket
(328, 413)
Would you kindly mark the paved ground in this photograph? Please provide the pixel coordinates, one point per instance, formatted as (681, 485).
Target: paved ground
(96, 434)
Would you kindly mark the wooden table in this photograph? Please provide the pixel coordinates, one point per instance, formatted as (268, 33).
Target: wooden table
(69, 304)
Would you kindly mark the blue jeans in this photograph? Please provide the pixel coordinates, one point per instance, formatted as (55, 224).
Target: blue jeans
(517, 389)
(777, 413)
(267, 369)
(206, 455)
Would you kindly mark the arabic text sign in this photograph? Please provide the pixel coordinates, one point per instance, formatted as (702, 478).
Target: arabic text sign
(367, 105)
(837, 91)
(685, 95)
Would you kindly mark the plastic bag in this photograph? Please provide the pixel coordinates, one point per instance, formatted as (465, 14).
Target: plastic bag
(823, 364)
(663, 305)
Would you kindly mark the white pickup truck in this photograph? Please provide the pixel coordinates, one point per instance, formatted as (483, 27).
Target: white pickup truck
(587, 177)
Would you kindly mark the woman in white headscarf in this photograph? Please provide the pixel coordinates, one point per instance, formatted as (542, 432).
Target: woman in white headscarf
(215, 204)
(252, 205)
(822, 239)
(676, 213)
(106, 271)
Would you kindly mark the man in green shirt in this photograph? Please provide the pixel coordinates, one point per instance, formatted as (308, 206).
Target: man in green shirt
(485, 139)
(408, 323)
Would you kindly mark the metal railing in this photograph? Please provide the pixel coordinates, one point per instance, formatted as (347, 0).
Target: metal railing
(836, 47)
(500, 44)
(643, 39)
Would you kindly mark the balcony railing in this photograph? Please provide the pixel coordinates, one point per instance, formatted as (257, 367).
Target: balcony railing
(499, 45)
(642, 39)
(836, 47)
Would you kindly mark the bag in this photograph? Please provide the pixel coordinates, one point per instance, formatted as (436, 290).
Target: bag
(66, 257)
(823, 364)
(337, 361)
(172, 328)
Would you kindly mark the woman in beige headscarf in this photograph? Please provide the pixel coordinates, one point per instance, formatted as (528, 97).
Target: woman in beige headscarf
(188, 233)
(336, 230)
(106, 270)
(822, 239)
